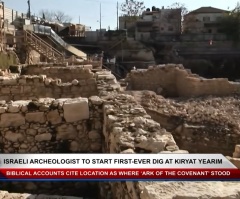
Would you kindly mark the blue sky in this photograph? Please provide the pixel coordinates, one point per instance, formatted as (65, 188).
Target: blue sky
(89, 10)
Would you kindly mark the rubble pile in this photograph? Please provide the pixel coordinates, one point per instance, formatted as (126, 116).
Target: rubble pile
(209, 110)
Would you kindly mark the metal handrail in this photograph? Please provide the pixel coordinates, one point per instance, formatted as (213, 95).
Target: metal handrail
(38, 42)
(31, 34)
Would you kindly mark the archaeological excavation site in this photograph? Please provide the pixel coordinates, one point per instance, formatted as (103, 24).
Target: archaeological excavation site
(55, 98)
(53, 108)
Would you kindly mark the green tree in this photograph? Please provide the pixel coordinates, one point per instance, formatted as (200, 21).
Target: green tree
(131, 10)
(230, 23)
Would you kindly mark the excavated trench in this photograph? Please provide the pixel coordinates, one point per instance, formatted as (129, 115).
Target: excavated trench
(198, 137)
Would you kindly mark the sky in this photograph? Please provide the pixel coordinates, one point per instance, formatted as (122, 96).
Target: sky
(88, 11)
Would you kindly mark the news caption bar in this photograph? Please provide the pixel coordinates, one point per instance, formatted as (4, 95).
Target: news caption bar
(117, 167)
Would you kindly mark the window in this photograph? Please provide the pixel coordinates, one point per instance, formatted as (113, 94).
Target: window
(218, 18)
(162, 28)
(206, 19)
(170, 28)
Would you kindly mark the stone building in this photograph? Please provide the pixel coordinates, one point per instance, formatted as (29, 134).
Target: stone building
(204, 20)
(159, 21)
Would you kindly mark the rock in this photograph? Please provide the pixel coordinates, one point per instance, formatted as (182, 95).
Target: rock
(94, 135)
(96, 146)
(43, 137)
(12, 108)
(237, 148)
(3, 109)
(74, 146)
(9, 81)
(96, 100)
(12, 119)
(152, 144)
(76, 109)
(66, 132)
(34, 149)
(31, 186)
(47, 82)
(128, 151)
(24, 146)
(75, 82)
(54, 117)
(36, 117)
(236, 155)
(31, 132)
(14, 137)
(181, 151)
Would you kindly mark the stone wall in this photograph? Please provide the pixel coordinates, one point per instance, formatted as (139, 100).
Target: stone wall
(128, 128)
(174, 81)
(51, 126)
(22, 87)
(29, 87)
(66, 74)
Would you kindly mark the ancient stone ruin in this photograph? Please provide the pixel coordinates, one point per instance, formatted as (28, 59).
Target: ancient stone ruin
(37, 115)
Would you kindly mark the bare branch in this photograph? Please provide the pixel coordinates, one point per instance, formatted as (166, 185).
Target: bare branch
(55, 16)
(132, 7)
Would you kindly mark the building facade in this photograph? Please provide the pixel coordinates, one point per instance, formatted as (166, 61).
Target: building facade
(158, 22)
(204, 20)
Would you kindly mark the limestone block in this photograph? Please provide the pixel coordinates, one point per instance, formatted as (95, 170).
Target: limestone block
(128, 151)
(11, 119)
(54, 117)
(43, 137)
(22, 81)
(82, 83)
(16, 89)
(9, 81)
(27, 89)
(66, 132)
(76, 109)
(96, 100)
(91, 81)
(36, 117)
(31, 132)
(236, 155)
(13, 108)
(14, 137)
(5, 90)
(3, 109)
(94, 135)
(96, 146)
(74, 146)
(154, 144)
(237, 148)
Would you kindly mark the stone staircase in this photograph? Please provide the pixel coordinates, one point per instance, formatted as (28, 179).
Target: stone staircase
(43, 48)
